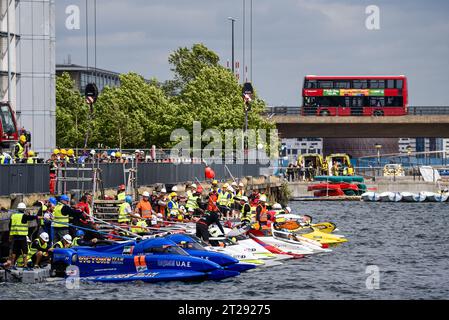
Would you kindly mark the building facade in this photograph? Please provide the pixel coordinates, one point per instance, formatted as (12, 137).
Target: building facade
(360, 147)
(82, 76)
(294, 147)
(28, 68)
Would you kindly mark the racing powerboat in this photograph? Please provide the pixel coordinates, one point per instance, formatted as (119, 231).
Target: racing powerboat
(150, 260)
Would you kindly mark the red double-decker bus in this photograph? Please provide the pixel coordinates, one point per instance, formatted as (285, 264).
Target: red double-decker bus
(355, 96)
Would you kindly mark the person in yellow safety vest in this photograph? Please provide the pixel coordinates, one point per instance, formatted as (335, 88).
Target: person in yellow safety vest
(21, 263)
(19, 149)
(245, 211)
(79, 240)
(191, 190)
(350, 170)
(64, 243)
(61, 214)
(125, 211)
(181, 213)
(121, 193)
(38, 250)
(71, 156)
(18, 231)
(63, 155)
(223, 201)
(138, 226)
(193, 202)
(173, 206)
(30, 158)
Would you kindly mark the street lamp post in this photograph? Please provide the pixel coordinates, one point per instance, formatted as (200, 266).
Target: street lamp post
(232, 59)
(378, 146)
(409, 153)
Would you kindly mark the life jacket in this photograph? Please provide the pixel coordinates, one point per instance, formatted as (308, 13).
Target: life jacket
(123, 216)
(139, 228)
(58, 217)
(244, 214)
(211, 206)
(75, 242)
(263, 216)
(192, 202)
(17, 227)
(121, 196)
(61, 245)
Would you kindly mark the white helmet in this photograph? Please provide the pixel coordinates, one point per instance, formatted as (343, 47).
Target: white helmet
(68, 238)
(277, 206)
(288, 209)
(245, 198)
(22, 206)
(112, 154)
(263, 198)
(191, 210)
(234, 184)
(92, 152)
(241, 184)
(182, 208)
(163, 190)
(215, 231)
(44, 236)
(193, 185)
(137, 151)
(159, 215)
(230, 189)
(146, 194)
(174, 189)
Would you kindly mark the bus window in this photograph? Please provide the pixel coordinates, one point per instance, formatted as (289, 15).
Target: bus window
(390, 84)
(310, 84)
(377, 101)
(360, 84)
(377, 84)
(394, 101)
(325, 84)
(342, 84)
(399, 84)
(309, 101)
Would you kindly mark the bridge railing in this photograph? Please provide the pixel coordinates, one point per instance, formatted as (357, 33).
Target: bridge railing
(412, 110)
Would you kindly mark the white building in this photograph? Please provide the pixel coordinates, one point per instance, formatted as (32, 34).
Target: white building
(424, 145)
(31, 62)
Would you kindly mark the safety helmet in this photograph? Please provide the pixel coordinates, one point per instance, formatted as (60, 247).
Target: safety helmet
(245, 198)
(214, 182)
(159, 215)
(64, 197)
(230, 189)
(68, 238)
(63, 151)
(23, 138)
(182, 208)
(174, 189)
(215, 231)
(288, 209)
(122, 187)
(21, 206)
(173, 194)
(137, 151)
(79, 233)
(44, 236)
(234, 184)
(56, 151)
(193, 185)
(113, 154)
(31, 153)
(191, 210)
(263, 198)
(277, 206)
(163, 190)
(53, 201)
(118, 154)
(241, 184)
(225, 186)
(70, 152)
(92, 152)
(145, 194)
(129, 199)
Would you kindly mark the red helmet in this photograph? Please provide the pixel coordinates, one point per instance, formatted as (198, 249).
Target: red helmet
(122, 187)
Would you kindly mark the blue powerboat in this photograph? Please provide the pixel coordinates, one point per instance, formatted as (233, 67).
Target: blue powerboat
(150, 260)
(194, 248)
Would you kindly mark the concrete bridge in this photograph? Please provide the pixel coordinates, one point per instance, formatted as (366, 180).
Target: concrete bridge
(293, 126)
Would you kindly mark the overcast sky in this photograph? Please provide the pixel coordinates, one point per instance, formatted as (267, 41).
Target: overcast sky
(291, 38)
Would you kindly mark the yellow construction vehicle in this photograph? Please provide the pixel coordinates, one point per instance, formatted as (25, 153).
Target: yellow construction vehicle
(339, 164)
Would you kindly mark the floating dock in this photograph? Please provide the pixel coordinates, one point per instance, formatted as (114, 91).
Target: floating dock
(20, 275)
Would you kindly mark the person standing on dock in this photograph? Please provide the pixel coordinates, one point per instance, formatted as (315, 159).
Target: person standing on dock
(121, 193)
(262, 212)
(19, 149)
(61, 214)
(18, 232)
(144, 207)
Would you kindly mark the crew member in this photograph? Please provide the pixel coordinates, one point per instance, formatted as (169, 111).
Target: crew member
(61, 214)
(121, 194)
(19, 149)
(18, 231)
(261, 212)
(30, 158)
(38, 250)
(245, 211)
(202, 225)
(173, 206)
(139, 226)
(64, 243)
(193, 202)
(79, 240)
(71, 156)
(144, 206)
(125, 211)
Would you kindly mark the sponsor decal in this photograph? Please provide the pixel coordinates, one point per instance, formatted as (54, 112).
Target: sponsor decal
(128, 250)
(331, 92)
(354, 92)
(173, 263)
(140, 263)
(100, 260)
(377, 92)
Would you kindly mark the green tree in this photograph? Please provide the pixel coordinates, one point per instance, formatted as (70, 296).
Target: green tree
(72, 113)
(186, 64)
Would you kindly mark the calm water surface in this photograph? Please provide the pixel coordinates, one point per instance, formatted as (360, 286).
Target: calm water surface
(407, 242)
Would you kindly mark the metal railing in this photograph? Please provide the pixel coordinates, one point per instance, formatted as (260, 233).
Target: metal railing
(310, 111)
